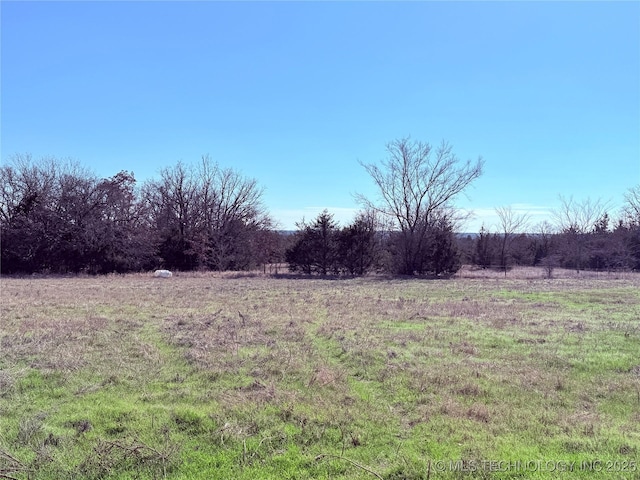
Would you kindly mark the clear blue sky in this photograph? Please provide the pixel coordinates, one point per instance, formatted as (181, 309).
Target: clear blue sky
(294, 94)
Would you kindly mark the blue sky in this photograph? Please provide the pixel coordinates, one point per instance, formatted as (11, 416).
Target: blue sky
(295, 94)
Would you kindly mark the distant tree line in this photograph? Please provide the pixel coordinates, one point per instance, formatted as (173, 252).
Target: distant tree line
(368, 245)
(583, 237)
(58, 217)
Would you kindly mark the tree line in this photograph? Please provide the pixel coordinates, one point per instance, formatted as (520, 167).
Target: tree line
(58, 217)
(322, 247)
(583, 236)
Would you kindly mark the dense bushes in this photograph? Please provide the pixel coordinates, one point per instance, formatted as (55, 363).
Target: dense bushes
(322, 247)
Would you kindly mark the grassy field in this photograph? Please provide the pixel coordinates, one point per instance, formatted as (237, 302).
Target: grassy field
(250, 377)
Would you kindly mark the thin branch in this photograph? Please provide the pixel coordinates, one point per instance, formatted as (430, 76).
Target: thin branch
(355, 464)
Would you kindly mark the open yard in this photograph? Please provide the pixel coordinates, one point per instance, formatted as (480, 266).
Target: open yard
(205, 376)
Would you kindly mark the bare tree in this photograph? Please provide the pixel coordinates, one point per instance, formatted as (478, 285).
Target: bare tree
(631, 209)
(576, 220)
(236, 213)
(57, 216)
(206, 216)
(172, 202)
(578, 216)
(542, 244)
(510, 224)
(27, 222)
(416, 184)
(25, 184)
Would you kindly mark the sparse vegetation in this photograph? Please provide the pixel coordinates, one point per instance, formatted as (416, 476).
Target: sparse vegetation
(232, 376)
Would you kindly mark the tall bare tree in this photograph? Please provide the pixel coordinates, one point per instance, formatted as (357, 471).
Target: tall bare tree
(172, 202)
(511, 223)
(417, 185)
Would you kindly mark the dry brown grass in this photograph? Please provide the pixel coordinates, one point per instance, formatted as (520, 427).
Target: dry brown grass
(536, 273)
(352, 364)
